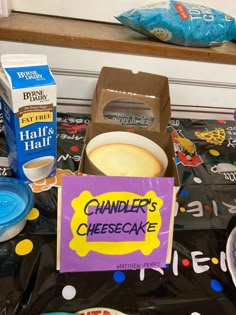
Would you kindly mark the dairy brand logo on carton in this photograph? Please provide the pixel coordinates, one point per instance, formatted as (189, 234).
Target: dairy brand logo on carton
(35, 109)
(28, 77)
(35, 96)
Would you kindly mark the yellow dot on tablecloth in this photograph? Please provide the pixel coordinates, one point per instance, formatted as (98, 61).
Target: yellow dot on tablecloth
(214, 152)
(214, 260)
(24, 247)
(182, 209)
(33, 215)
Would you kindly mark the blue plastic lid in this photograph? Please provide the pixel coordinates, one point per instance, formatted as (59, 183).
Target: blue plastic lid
(16, 201)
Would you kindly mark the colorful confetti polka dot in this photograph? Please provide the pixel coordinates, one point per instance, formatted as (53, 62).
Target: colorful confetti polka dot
(195, 313)
(214, 260)
(167, 266)
(221, 207)
(74, 148)
(182, 209)
(197, 180)
(24, 247)
(119, 276)
(68, 292)
(221, 121)
(185, 262)
(214, 152)
(216, 286)
(207, 207)
(184, 193)
(33, 215)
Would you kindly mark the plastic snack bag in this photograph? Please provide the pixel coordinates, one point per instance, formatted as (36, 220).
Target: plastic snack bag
(234, 39)
(181, 23)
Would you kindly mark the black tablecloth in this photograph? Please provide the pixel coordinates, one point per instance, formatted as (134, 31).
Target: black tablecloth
(197, 282)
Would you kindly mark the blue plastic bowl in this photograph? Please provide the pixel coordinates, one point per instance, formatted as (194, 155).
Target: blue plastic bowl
(16, 201)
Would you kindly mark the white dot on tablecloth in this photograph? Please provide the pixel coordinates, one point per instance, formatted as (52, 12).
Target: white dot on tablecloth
(195, 313)
(197, 180)
(68, 292)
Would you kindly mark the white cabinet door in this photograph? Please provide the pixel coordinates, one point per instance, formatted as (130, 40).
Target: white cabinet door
(103, 10)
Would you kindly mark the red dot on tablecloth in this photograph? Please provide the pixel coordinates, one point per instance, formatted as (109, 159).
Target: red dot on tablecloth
(74, 148)
(207, 207)
(185, 262)
(221, 121)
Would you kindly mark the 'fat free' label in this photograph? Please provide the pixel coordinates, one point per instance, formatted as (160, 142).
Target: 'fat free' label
(33, 114)
(31, 118)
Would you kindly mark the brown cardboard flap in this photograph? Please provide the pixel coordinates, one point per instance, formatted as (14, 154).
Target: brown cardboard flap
(150, 89)
(90, 168)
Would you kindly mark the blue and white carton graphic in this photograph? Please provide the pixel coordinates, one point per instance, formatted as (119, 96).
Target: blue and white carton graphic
(28, 98)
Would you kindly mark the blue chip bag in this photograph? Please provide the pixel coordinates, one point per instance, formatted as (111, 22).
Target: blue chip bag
(234, 39)
(181, 23)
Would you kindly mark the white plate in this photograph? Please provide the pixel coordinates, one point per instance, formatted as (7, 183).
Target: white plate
(231, 254)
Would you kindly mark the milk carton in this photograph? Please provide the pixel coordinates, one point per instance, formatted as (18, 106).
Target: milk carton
(28, 99)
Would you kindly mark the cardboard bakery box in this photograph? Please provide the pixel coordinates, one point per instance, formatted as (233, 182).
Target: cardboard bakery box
(153, 91)
(150, 89)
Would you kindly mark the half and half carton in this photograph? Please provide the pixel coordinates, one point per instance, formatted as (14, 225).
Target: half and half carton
(28, 99)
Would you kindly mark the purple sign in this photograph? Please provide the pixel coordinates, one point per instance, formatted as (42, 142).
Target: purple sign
(112, 223)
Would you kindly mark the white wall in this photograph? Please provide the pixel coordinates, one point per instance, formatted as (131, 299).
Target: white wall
(196, 88)
(103, 10)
